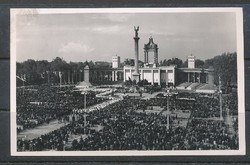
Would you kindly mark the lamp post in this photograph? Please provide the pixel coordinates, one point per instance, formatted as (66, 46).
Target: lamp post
(168, 94)
(72, 77)
(23, 79)
(85, 122)
(84, 116)
(60, 78)
(48, 76)
(85, 101)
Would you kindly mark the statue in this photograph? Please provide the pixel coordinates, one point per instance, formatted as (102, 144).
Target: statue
(136, 31)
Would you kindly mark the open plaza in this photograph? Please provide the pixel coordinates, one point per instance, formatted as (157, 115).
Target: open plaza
(161, 120)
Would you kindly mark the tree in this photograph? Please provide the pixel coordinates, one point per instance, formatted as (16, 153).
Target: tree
(42, 66)
(143, 82)
(85, 63)
(58, 64)
(185, 64)
(208, 63)
(225, 66)
(30, 70)
(131, 62)
(91, 64)
(199, 63)
(174, 61)
(80, 66)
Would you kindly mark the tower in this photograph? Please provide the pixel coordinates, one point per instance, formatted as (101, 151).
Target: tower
(115, 61)
(136, 75)
(151, 47)
(191, 61)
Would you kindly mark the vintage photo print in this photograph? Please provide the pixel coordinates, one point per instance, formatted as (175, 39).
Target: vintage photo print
(127, 82)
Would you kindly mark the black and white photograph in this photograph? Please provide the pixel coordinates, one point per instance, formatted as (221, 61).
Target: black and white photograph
(127, 81)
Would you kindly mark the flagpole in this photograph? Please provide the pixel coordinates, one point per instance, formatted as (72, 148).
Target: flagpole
(220, 95)
(60, 77)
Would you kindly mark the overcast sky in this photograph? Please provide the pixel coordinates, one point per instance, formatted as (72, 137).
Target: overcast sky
(97, 37)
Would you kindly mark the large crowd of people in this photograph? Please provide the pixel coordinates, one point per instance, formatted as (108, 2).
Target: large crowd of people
(40, 104)
(209, 134)
(124, 127)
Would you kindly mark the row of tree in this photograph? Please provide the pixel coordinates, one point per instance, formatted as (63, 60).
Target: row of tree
(167, 62)
(180, 64)
(224, 65)
(36, 72)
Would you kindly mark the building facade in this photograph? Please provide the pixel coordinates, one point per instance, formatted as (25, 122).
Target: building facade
(154, 74)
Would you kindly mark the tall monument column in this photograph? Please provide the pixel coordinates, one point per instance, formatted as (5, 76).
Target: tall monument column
(136, 75)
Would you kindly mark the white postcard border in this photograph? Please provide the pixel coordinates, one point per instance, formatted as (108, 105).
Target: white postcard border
(240, 75)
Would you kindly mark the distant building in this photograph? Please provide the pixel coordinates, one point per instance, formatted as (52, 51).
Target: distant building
(116, 61)
(189, 77)
(191, 74)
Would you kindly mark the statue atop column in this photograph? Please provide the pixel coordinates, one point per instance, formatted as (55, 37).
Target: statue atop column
(136, 30)
(136, 75)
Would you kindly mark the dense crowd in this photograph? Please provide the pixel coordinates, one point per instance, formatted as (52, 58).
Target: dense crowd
(40, 104)
(209, 134)
(123, 127)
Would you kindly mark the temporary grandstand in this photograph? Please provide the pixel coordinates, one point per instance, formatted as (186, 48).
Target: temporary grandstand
(197, 87)
(193, 86)
(183, 86)
(207, 88)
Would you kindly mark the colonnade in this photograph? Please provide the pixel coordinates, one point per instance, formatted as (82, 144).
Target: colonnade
(197, 77)
(106, 75)
(67, 77)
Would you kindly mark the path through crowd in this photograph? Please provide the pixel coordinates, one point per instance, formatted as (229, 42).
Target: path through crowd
(144, 95)
(43, 129)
